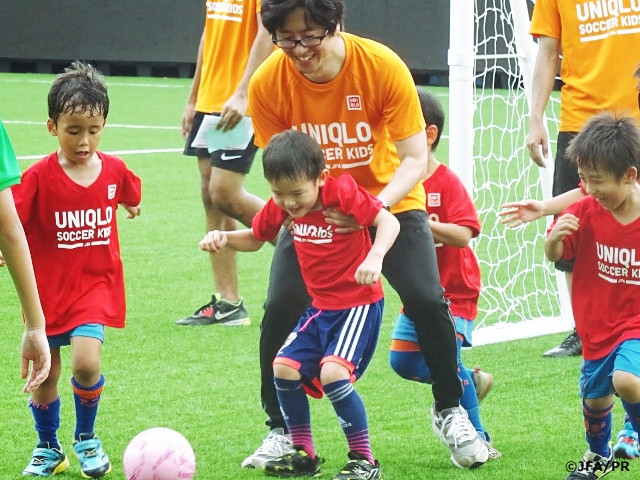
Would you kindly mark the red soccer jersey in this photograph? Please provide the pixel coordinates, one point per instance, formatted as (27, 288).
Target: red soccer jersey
(73, 237)
(605, 292)
(328, 260)
(449, 202)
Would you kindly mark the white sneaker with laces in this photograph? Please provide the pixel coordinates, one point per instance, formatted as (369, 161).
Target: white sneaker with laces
(453, 428)
(274, 446)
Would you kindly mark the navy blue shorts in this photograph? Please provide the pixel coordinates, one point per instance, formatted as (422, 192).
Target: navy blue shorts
(238, 161)
(348, 337)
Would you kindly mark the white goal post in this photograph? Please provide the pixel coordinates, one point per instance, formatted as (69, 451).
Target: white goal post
(491, 60)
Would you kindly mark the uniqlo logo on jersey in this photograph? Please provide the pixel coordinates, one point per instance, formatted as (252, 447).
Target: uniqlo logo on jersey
(353, 102)
(111, 191)
(433, 199)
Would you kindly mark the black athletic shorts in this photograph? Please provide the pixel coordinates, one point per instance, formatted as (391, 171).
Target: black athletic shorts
(238, 161)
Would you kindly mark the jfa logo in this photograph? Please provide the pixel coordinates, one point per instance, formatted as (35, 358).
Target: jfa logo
(353, 102)
(433, 199)
(111, 191)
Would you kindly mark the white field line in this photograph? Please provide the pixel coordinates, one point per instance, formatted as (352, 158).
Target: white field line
(109, 83)
(111, 125)
(115, 152)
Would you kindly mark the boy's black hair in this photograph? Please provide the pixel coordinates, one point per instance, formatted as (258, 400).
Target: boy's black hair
(292, 155)
(326, 13)
(432, 112)
(608, 142)
(81, 88)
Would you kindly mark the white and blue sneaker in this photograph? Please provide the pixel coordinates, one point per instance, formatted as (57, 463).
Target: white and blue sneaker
(453, 427)
(46, 461)
(94, 463)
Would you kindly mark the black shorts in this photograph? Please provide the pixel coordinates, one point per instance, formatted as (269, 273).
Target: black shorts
(565, 178)
(238, 161)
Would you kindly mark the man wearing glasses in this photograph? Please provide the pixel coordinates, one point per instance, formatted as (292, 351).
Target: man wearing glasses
(357, 99)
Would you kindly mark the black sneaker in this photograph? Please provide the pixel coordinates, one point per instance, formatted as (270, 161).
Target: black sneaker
(591, 467)
(570, 347)
(294, 464)
(359, 468)
(219, 311)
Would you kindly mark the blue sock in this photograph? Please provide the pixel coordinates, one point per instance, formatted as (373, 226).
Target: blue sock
(86, 400)
(410, 365)
(295, 409)
(47, 419)
(598, 425)
(469, 398)
(351, 415)
(633, 414)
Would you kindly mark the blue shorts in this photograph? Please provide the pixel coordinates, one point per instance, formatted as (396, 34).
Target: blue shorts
(596, 376)
(405, 330)
(238, 161)
(347, 337)
(93, 330)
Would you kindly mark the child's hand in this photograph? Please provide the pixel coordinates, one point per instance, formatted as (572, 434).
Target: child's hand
(565, 225)
(369, 270)
(519, 213)
(213, 241)
(133, 211)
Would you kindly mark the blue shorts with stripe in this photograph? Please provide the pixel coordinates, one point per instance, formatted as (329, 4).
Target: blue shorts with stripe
(347, 337)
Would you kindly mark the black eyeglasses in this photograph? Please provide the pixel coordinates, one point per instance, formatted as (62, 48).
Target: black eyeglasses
(306, 42)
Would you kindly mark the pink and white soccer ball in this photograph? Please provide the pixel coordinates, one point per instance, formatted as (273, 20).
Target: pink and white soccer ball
(159, 454)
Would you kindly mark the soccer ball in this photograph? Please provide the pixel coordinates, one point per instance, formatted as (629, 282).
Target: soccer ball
(159, 454)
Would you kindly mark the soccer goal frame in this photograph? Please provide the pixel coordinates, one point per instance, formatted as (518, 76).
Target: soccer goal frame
(491, 60)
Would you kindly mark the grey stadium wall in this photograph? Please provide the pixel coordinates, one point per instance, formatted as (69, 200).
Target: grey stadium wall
(160, 37)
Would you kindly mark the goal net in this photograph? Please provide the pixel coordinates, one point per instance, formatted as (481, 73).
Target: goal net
(491, 60)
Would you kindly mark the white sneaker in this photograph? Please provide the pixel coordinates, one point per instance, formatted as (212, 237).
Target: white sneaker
(453, 428)
(274, 446)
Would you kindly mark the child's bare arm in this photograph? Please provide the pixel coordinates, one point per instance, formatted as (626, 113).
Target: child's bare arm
(239, 240)
(451, 234)
(553, 246)
(518, 213)
(132, 211)
(15, 252)
(387, 229)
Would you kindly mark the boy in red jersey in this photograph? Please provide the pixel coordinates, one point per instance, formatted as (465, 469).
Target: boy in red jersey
(67, 204)
(13, 245)
(587, 58)
(454, 222)
(601, 233)
(357, 99)
(335, 339)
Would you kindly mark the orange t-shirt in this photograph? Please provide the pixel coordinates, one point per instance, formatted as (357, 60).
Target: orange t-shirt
(600, 51)
(355, 117)
(229, 32)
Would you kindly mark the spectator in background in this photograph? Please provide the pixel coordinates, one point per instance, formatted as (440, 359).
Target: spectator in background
(232, 45)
